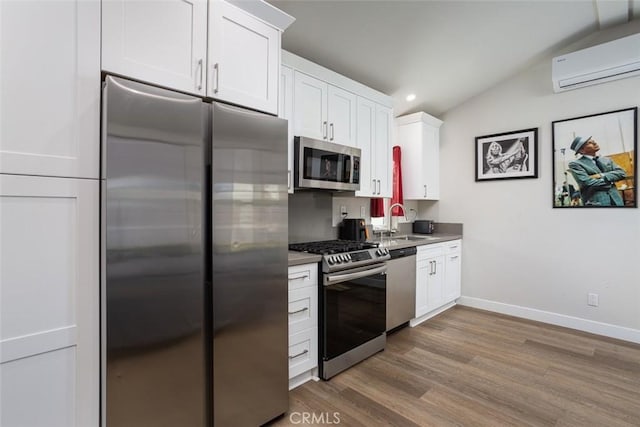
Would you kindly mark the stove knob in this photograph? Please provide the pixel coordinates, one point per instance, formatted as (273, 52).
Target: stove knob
(330, 260)
(348, 257)
(344, 258)
(380, 252)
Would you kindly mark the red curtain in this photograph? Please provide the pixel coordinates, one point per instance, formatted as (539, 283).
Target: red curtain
(377, 208)
(397, 182)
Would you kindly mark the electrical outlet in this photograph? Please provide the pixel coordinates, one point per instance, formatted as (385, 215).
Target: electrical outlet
(362, 212)
(343, 210)
(593, 300)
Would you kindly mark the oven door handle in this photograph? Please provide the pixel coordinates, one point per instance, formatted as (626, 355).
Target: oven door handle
(332, 279)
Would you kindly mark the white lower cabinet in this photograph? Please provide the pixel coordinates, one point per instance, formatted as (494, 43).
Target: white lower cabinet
(437, 278)
(453, 270)
(49, 282)
(303, 323)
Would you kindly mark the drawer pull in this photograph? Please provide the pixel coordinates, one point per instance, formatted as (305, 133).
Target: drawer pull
(302, 277)
(299, 311)
(454, 257)
(299, 354)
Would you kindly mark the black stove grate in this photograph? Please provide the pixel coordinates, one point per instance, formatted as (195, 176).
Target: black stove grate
(327, 247)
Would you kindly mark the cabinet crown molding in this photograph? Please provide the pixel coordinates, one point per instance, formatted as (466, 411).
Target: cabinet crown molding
(419, 117)
(266, 12)
(317, 71)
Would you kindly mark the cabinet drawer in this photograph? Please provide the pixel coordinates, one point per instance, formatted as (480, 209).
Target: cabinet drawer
(303, 351)
(303, 309)
(455, 246)
(430, 251)
(301, 276)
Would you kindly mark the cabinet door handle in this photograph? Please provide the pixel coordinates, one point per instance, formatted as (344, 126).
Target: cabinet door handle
(454, 257)
(301, 277)
(379, 187)
(324, 130)
(289, 179)
(216, 71)
(299, 311)
(374, 187)
(332, 132)
(425, 191)
(201, 67)
(299, 354)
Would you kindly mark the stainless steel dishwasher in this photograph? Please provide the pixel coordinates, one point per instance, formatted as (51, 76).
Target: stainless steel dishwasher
(401, 286)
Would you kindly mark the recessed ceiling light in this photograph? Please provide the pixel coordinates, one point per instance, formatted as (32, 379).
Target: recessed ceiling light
(411, 97)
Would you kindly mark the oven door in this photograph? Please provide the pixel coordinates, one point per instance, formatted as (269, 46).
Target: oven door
(354, 308)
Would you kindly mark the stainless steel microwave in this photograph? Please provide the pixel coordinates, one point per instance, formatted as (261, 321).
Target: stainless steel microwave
(325, 165)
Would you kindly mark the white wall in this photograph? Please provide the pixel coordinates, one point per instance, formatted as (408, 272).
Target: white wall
(521, 256)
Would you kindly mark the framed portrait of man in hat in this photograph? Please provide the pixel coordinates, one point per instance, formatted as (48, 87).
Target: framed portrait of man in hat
(594, 160)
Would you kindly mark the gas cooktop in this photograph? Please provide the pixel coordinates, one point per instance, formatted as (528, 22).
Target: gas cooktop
(327, 247)
(343, 254)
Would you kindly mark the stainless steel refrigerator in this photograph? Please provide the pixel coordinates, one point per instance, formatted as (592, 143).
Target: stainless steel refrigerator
(194, 246)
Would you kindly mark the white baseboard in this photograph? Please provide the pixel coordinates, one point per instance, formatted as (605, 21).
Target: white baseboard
(429, 315)
(303, 378)
(599, 328)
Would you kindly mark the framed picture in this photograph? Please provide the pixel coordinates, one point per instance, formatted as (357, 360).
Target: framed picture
(594, 160)
(507, 155)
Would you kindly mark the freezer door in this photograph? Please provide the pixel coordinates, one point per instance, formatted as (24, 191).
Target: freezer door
(249, 266)
(154, 365)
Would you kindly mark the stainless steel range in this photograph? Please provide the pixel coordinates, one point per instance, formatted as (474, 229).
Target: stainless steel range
(352, 301)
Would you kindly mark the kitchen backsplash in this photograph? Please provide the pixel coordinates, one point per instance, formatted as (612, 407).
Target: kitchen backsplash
(315, 215)
(310, 217)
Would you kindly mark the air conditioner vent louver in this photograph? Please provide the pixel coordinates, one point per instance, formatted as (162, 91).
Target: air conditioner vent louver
(598, 64)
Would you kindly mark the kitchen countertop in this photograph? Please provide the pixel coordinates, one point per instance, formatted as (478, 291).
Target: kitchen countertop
(408, 240)
(299, 258)
(395, 242)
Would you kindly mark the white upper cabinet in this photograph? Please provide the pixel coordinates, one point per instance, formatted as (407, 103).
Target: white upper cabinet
(163, 42)
(310, 101)
(383, 159)
(374, 140)
(341, 114)
(366, 119)
(324, 111)
(285, 111)
(244, 58)
(50, 88)
(419, 136)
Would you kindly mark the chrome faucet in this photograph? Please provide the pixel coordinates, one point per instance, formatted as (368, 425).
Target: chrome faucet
(404, 212)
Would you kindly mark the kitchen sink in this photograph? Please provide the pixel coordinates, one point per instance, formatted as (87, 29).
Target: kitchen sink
(413, 237)
(403, 239)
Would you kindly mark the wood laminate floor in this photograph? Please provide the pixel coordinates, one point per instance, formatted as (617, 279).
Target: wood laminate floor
(468, 367)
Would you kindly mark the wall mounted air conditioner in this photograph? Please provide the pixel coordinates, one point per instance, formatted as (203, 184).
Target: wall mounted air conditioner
(614, 60)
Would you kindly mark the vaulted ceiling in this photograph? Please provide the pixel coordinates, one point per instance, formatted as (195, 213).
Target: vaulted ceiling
(444, 52)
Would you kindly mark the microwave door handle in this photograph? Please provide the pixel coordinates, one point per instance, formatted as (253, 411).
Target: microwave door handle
(337, 278)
